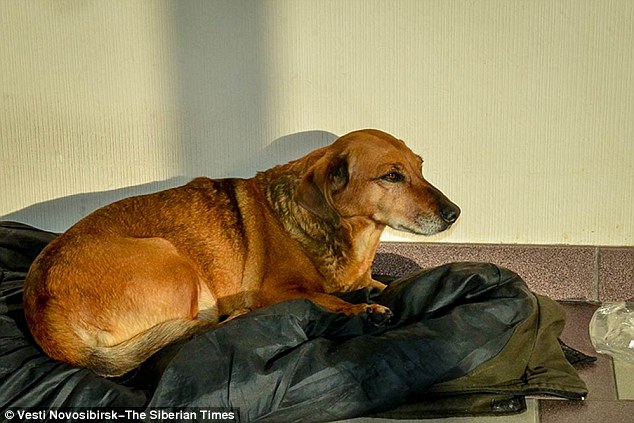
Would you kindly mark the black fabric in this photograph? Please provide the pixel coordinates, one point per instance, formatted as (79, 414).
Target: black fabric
(293, 361)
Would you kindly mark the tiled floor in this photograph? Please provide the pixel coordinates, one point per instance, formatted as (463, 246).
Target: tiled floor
(582, 274)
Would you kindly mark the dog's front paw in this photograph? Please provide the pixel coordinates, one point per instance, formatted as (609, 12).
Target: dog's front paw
(378, 314)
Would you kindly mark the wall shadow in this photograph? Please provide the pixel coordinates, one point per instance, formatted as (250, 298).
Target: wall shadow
(283, 150)
(220, 68)
(59, 214)
(221, 55)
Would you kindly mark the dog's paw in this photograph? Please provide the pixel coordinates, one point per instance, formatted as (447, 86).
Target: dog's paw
(378, 314)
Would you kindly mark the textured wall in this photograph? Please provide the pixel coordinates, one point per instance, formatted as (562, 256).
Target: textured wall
(523, 110)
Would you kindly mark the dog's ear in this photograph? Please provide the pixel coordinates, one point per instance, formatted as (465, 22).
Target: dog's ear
(324, 179)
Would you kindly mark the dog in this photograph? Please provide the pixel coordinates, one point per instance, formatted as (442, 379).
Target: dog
(147, 271)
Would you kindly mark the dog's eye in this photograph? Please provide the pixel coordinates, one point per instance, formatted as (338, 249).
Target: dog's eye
(393, 177)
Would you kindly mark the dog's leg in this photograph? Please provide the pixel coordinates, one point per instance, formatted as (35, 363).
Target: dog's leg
(376, 284)
(376, 312)
(148, 298)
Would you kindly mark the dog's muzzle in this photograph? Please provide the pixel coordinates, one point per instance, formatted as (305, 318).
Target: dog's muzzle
(430, 224)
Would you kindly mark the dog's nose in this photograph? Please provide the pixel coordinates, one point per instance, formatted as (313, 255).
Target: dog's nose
(450, 213)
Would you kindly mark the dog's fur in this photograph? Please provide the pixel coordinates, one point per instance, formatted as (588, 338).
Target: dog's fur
(147, 271)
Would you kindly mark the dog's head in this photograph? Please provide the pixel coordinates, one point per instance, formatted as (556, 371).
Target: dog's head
(371, 174)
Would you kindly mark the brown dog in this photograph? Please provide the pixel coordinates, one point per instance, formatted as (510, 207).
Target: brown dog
(146, 271)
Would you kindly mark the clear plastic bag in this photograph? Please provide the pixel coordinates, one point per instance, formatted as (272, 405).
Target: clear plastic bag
(612, 330)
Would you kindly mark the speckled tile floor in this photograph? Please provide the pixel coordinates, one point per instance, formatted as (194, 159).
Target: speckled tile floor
(578, 277)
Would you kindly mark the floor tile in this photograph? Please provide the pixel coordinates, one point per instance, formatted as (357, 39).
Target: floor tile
(616, 274)
(586, 411)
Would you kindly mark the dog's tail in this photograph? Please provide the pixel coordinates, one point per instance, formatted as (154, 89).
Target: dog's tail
(119, 359)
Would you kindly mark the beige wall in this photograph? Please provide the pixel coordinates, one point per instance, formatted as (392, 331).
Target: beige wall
(523, 110)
